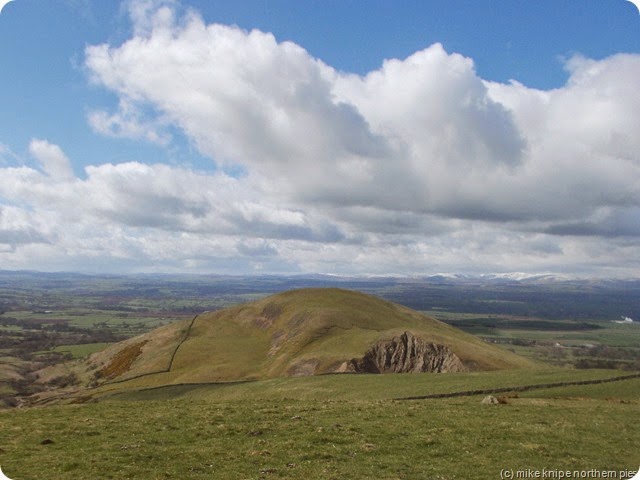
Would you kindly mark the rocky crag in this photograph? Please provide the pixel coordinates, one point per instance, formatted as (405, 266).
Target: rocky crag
(406, 354)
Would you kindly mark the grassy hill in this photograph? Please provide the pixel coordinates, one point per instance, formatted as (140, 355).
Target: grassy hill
(162, 415)
(295, 333)
(332, 426)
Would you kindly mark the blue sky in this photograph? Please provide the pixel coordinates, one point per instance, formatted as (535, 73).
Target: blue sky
(345, 136)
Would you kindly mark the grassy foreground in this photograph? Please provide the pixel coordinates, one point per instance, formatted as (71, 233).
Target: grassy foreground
(263, 430)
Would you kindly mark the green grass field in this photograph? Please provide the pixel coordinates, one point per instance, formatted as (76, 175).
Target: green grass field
(330, 427)
(369, 387)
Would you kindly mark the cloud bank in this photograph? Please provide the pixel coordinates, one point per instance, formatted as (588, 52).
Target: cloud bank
(419, 166)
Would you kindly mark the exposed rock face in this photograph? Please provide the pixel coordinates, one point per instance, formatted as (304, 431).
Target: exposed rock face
(405, 354)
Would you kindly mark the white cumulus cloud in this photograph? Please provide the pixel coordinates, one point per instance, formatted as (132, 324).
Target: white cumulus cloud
(52, 159)
(420, 165)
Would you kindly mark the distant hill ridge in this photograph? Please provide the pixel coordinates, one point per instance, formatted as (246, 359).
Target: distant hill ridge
(300, 332)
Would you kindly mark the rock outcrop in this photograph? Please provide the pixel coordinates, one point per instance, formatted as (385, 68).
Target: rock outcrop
(489, 400)
(405, 354)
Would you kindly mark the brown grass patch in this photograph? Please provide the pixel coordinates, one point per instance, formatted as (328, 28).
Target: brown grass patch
(122, 361)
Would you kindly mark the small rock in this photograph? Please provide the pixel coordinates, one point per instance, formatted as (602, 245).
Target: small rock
(46, 441)
(489, 400)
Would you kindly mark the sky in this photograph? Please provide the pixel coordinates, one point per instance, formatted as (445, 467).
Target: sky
(344, 137)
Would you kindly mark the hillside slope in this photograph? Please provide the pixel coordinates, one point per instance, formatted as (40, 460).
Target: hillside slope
(299, 332)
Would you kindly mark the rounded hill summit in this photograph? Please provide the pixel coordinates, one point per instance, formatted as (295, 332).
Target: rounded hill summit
(299, 332)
